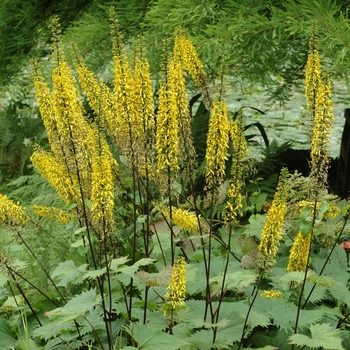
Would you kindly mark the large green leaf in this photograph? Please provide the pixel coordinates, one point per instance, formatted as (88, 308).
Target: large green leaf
(67, 272)
(130, 270)
(341, 293)
(76, 307)
(7, 337)
(322, 336)
(338, 257)
(149, 337)
(235, 280)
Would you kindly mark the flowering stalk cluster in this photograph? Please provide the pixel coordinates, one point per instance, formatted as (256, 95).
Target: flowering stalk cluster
(80, 163)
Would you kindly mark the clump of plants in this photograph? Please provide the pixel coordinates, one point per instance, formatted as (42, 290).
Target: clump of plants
(133, 257)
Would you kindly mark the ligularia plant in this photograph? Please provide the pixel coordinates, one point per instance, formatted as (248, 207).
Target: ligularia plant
(144, 244)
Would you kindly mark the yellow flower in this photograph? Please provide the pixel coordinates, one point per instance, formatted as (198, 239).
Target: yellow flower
(102, 193)
(240, 150)
(181, 217)
(167, 133)
(299, 253)
(323, 127)
(273, 294)
(185, 52)
(312, 74)
(45, 102)
(144, 124)
(53, 213)
(100, 98)
(50, 168)
(11, 213)
(272, 231)
(217, 144)
(177, 287)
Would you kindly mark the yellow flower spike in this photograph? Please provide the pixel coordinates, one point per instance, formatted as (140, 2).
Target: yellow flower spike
(167, 132)
(313, 74)
(53, 213)
(77, 138)
(144, 122)
(299, 253)
(100, 98)
(183, 218)
(177, 287)
(57, 176)
(185, 52)
(11, 213)
(217, 144)
(272, 294)
(180, 106)
(102, 192)
(45, 103)
(322, 130)
(272, 230)
(240, 150)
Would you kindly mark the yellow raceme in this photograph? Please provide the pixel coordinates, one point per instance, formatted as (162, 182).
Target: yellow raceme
(11, 213)
(177, 288)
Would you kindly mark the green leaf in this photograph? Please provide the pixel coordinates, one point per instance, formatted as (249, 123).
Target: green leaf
(115, 263)
(149, 337)
(88, 203)
(341, 293)
(94, 273)
(305, 222)
(76, 307)
(324, 281)
(256, 223)
(67, 272)
(202, 340)
(6, 335)
(235, 280)
(323, 208)
(338, 257)
(3, 280)
(322, 336)
(130, 270)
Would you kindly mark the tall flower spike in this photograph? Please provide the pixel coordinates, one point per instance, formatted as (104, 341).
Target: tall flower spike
(167, 132)
(177, 287)
(217, 144)
(272, 230)
(50, 168)
(322, 131)
(100, 98)
(186, 52)
(102, 192)
(240, 151)
(299, 253)
(180, 107)
(144, 124)
(312, 74)
(45, 102)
